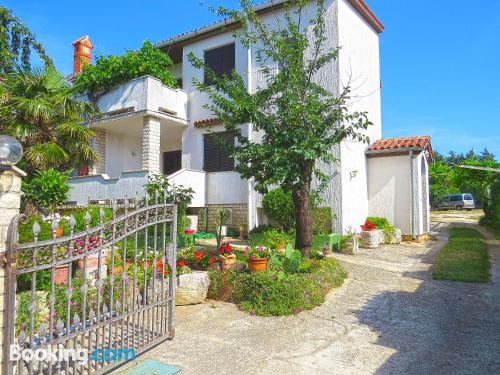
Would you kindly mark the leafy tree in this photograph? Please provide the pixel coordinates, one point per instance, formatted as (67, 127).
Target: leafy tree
(17, 43)
(475, 182)
(441, 180)
(40, 110)
(112, 70)
(299, 119)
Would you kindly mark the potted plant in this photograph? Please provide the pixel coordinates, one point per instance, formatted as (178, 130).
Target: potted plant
(370, 237)
(226, 256)
(257, 258)
(276, 239)
(220, 221)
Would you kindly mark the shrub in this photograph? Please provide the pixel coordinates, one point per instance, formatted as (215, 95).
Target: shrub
(275, 238)
(380, 222)
(113, 70)
(268, 294)
(322, 220)
(492, 209)
(47, 190)
(278, 205)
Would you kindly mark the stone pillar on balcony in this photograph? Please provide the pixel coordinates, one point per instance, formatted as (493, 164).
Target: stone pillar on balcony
(99, 146)
(151, 144)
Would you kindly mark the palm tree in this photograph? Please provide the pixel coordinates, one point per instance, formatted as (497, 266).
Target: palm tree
(39, 108)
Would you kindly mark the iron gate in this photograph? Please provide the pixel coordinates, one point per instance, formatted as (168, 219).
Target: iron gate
(108, 290)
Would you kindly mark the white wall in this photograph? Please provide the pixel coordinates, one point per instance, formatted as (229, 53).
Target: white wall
(226, 188)
(359, 68)
(123, 152)
(389, 190)
(195, 180)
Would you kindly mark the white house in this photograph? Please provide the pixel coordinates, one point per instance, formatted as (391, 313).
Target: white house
(149, 128)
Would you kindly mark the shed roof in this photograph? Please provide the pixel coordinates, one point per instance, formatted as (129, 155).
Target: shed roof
(383, 146)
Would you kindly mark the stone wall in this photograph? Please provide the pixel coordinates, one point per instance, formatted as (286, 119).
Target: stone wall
(99, 146)
(151, 144)
(10, 198)
(239, 215)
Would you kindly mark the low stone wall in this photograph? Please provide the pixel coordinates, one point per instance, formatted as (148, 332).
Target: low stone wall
(239, 215)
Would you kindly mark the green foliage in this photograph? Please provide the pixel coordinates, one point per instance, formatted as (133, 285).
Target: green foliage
(299, 119)
(492, 209)
(322, 220)
(276, 238)
(26, 230)
(289, 262)
(17, 43)
(112, 70)
(23, 300)
(464, 258)
(158, 189)
(220, 220)
(268, 293)
(344, 240)
(278, 205)
(47, 190)
(39, 109)
(380, 222)
(447, 178)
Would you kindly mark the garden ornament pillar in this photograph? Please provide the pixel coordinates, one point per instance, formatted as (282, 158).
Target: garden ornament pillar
(151, 144)
(10, 200)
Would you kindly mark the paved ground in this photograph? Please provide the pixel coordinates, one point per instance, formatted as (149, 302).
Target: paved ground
(390, 317)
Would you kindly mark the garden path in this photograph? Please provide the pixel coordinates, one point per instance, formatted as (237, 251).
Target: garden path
(389, 317)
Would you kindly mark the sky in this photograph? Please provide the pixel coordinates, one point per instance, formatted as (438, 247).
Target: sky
(440, 60)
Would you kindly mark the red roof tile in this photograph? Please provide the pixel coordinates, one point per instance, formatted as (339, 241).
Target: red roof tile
(423, 142)
(404, 142)
(207, 122)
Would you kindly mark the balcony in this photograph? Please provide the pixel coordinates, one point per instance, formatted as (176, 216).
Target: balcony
(143, 96)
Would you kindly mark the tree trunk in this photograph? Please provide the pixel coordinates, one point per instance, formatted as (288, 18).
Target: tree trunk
(303, 219)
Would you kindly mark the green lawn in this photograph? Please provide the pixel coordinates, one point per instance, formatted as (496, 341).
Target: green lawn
(463, 258)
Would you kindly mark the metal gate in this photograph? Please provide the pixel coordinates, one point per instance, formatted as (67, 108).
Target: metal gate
(106, 293)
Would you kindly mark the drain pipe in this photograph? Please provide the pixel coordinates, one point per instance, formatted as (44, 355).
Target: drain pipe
(412, 192)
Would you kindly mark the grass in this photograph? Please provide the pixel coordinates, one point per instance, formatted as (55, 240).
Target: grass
(464, 258)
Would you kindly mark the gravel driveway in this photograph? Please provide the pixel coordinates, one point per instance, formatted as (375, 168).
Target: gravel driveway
(389, 317)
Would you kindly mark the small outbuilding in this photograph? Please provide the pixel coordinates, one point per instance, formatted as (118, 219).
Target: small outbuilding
(398, 183)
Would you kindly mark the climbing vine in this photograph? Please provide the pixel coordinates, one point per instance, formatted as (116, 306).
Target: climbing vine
(110, 71)
(16, 43)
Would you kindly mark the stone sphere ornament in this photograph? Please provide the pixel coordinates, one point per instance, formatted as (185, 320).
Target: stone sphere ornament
(11, 150)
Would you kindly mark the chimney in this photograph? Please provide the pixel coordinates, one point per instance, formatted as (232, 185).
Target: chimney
(82, 53)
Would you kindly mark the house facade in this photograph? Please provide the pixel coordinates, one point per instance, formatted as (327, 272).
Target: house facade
(149, 128)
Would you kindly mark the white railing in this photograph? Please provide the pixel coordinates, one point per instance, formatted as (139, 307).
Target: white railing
(101, 187)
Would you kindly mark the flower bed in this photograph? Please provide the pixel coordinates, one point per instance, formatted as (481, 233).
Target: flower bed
(268, 293)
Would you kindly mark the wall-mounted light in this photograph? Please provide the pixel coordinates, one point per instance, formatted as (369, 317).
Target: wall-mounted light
(11, 151)
(354, 173)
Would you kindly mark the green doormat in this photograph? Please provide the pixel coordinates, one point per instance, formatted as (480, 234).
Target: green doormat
(152, 367)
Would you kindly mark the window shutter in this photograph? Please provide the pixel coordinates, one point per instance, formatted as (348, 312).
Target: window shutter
(215, 158)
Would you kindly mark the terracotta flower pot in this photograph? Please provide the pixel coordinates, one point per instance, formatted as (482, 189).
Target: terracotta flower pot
(61, 274)
(228, 261)
(257, 265)
(59, 232)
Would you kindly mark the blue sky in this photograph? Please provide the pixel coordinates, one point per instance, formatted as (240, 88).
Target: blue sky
(440, 59)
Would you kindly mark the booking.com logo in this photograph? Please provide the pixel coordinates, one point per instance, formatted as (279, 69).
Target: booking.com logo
(80, 355)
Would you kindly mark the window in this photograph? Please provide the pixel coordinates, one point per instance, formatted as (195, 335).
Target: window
(221, 60)
(215, 159)
(172, 161)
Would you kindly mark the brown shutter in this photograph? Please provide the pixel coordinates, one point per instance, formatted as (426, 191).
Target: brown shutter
(215, 158)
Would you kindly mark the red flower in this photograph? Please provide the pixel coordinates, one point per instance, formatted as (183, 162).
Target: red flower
(189, 231)
(181, 263)
(368, 225)
(212, 260)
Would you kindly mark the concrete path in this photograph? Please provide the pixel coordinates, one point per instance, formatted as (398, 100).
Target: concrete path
(390, 317)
